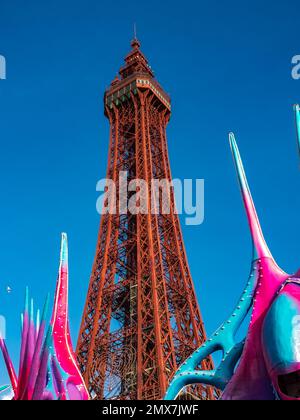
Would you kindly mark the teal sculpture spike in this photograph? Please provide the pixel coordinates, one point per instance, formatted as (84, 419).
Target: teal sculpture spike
(260, 248)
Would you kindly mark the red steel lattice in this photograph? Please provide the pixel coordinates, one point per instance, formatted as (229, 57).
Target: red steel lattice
(141, 318)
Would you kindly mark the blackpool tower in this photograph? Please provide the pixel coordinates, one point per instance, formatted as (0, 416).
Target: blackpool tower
(141, 318)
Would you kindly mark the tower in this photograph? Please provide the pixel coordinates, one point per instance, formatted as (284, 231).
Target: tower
(141, 318)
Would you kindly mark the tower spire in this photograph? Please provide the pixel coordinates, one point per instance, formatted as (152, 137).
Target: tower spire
(135, 43)
(135, 61)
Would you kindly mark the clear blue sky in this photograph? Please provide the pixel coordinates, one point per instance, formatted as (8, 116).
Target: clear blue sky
(226, 66)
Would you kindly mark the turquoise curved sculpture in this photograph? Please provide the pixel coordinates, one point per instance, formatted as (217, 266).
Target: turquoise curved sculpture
(47, 367)
(266, 364)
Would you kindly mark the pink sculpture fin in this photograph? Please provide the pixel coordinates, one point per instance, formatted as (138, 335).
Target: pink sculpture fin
(48, 367)
(61, 337)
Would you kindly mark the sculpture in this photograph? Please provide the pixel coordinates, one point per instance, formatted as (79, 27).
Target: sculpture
(48, 368)
(266, 365)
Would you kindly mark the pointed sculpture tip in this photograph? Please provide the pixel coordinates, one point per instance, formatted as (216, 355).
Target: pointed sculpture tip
(231, 137)
(260, 247)
(26, 299)
(38, 319)
(232, 143)
(238, 163)
(64, 248)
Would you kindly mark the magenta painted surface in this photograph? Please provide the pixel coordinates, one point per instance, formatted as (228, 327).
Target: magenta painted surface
(251, 379)
(61, 335)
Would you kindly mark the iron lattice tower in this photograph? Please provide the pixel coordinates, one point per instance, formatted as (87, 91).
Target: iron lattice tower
(141, 318)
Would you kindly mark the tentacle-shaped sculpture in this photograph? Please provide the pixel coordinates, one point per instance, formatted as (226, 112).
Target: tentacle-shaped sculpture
(251, 380)
(260, 248)
(48, 368)
(224, 338)
(268, 362)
